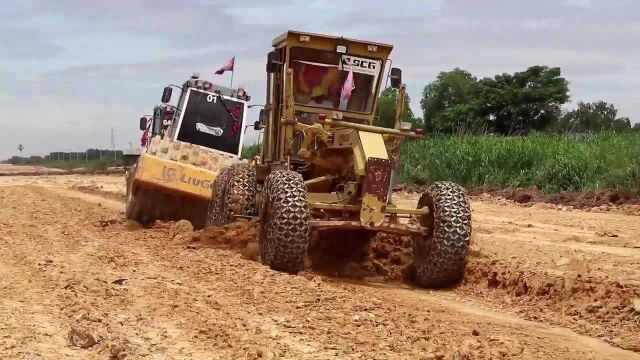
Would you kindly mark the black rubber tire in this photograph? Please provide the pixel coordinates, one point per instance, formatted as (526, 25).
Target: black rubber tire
(440, 258)
(284, 221)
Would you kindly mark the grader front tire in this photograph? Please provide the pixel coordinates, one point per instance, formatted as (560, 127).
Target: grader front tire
(440, 257)
(284, 236)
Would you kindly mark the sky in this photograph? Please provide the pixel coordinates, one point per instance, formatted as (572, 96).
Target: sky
(72, 70)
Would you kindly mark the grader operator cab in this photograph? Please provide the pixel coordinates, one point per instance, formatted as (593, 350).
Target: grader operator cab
(324, 167)
(189, 143)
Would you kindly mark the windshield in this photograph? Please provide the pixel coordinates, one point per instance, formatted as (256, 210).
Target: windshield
(319, 78)
(212, 121)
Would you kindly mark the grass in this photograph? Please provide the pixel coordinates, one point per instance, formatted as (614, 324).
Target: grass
(248, 152)
(552, 163)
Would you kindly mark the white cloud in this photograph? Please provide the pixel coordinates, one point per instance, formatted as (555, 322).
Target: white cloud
(74, 69)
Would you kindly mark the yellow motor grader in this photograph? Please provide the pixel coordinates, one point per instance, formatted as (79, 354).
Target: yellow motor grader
(324, 167)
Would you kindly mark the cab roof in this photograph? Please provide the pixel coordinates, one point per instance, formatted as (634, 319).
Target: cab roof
(283, 37)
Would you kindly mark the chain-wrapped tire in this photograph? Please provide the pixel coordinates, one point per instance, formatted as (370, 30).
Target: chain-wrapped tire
(240, 196)
(440, 257)
(215, 215)
(233, 194)
(284, 219)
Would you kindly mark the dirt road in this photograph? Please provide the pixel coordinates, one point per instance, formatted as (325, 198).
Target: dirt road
(9, 169)
(77, 281)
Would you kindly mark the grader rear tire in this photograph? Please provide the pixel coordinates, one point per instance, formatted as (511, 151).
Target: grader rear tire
(215, 215)
(285, 228)
(440, 257)
(241, 192)
(233, 194)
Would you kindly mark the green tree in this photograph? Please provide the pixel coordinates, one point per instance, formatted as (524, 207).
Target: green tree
(386, 109)
(593, 117)
(450, 103)
(524, 101)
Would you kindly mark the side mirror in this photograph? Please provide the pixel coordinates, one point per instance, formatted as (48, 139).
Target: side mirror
(143, 123)
(396, 78)
(166, 95)
(273, 60)
(262, 120)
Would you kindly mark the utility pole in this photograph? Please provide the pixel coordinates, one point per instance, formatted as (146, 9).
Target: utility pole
(113, 144)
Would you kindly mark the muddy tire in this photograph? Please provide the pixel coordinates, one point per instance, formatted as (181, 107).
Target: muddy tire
(440, 257)
(284, 218)
(233, 194)
(241, 192)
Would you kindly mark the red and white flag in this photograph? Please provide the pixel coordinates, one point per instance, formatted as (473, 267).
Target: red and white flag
(347, 89)
(145, 135)
(228, 66)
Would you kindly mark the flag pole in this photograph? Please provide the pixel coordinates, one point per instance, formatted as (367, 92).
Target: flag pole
(231, 85)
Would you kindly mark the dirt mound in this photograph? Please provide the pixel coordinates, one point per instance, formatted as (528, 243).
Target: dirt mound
(573, 298)
(99, 190)
(241, 235)
(596, 201)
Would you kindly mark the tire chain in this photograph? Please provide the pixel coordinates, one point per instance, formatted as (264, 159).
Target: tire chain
(233, 194)
(444, 262)
(284, 236)
(215, 215)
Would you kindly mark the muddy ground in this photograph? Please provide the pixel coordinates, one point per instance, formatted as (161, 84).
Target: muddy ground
(77, 281)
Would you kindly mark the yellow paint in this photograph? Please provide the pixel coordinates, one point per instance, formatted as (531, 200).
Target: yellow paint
(370, 145)
(373, 145)
(372, 210)
(173, 177)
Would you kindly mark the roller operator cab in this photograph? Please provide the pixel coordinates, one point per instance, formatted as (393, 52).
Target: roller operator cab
(207, 115)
